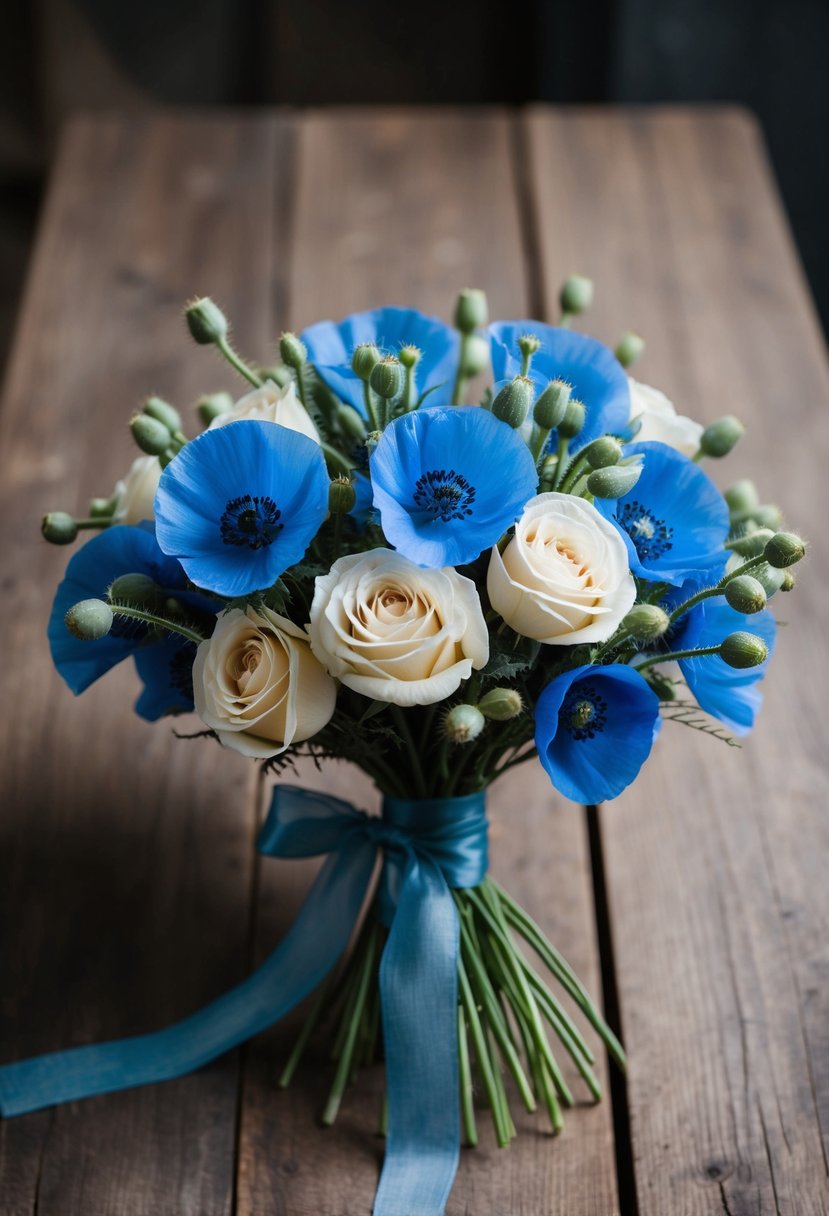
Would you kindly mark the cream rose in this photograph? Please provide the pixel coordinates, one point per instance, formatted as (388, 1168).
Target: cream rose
(396, 632)
(256, 683)
(660, 423)
(564, 578)
(135, 495)
(271, 404)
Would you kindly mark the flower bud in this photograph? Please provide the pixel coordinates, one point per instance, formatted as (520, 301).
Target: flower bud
(89, 620)
(573, 420)
(576, 294)
(474, 356)
(742, 497)
(364, 359)
(341, 496)
(614, 482)
(163, 412)
(471, 310)
(784, 549)
(551, 405)
(767, 515)
(351, 423)
(646, 622)
(501, 704)
(278, 373)
(134, 589)
(752, 544)
(513, 402)
(151, 435)
(212, 405)
(789, 581)
(387, 378)
(102, 508)
(206, 321)
(410, 356)
(745, 594)
(59, 528)
(463, 723)
(743, 649)
(528, 344)
(603, 452)
(292, 351)
(769, 578)
(630, 348)
(720, 437)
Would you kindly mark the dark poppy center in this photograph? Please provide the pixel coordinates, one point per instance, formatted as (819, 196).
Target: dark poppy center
(583, 712)
(444, 494)
(651, 537)
(251, 521)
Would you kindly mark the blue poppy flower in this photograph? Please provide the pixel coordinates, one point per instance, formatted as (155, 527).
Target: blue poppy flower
(331, 346)
(240, 504)
(448, 482)
(729, 694)
(91, 570)
(595, 374)
(594, 729)
(674, 521)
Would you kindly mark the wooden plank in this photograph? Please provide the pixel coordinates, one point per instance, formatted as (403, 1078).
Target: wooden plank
(126, 856)
(407, 208)
(715, 859)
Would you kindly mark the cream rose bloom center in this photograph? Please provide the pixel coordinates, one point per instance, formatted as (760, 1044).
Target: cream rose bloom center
(257, 684)
(396, 632)
(564, 578)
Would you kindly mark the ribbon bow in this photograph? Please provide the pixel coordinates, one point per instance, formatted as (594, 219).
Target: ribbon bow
(429, 846)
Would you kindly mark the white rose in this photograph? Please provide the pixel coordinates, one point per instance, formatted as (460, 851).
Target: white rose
(256, 683)
(135, 495)
(396, 632)
(564, 578)
(271, 404)
(660, 421)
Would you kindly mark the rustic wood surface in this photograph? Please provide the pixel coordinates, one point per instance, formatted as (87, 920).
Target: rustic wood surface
(129, 892)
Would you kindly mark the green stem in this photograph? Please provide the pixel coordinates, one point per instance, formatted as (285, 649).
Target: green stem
(408, 740)
(335, 459)
(459, 387)
(718, 588)
(565, 319)
(673, 656)
(365, 974)
(305, 1033)
(537, 442)
(482, 1055)
(161, 622)
(371, 407)
(104, 521)
(224, 348)
(467, 1103)
(561, 456)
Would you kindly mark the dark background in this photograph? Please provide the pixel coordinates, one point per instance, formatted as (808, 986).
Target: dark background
(770, 55)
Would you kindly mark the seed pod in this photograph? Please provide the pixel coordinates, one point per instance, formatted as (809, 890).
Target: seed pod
(745, 594)
(513, 402)
(471, 311)
(206, 321)
(89, 620)
(743, 649)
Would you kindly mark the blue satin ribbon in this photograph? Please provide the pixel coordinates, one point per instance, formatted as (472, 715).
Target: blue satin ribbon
(429, 847)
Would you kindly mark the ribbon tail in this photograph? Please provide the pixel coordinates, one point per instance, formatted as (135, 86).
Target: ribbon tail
(314, 943)
(419, 991)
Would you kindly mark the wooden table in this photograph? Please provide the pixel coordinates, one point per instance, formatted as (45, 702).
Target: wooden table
(129, 891)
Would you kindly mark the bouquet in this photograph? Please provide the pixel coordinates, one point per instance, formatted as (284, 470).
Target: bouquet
(350, 562)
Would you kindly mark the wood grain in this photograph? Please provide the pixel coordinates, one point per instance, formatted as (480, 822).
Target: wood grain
(392, 209)
(716, 860)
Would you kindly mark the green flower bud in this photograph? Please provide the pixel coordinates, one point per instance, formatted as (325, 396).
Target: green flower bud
(785, 549)
(743, 649)
(206, 321)
(136, 589)
(664, 688)
(646, 622)
(471, 310)
(752, 544)
(615, 481)
(573, 420)
(366, 356)
(745, 594)
(212, 405)
(387, 377)
(769, 578)
(410, 356)
(513, 402)
(630, 348)
(789, 581)
(720, 437)
(501, 704)
(576, 294)
(351, 423)
(463, 723)
(101, 508)
(163, 412)
(89, 620)
(292, 351)
(603, 452)
(474, 356)
(767, 515)
(528, 344)
(341, 496)
(59, 528)
(151, 435)
(742, 497)
(551, 405)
